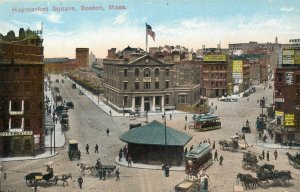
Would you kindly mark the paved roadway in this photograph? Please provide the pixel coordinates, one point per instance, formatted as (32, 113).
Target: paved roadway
(88, 125)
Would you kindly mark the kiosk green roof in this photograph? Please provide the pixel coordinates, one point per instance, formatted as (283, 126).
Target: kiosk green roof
(154, 134)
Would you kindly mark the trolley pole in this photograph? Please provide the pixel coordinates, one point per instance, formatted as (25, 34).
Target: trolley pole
(54, 138)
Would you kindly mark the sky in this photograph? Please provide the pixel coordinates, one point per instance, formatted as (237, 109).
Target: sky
(189, 23)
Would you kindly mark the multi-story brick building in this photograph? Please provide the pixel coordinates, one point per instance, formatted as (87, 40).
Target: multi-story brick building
(59, 65)
(82, 57)
(143, 84)
(214, 75)
(21, 94)
(287, 98)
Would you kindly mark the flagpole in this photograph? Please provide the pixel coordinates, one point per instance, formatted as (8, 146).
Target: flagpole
(146, 39)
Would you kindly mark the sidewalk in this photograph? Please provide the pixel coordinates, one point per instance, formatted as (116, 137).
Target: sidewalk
(146, 166)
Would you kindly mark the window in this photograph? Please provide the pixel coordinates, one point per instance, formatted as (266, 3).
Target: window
(16, 123)
(27, 124)
(167, 99)
(17, 70)
(125, 100)
(27, 106)
(297, 78)
(297, 92)
(156, 85)
(279, 77)
(156, 71)
(137, 85)
(167, 84)
(125, 85)
(27, 87)
(147, 72)
(136, 72)
(167, 72)
(125, 72)
(15, 106)
(26, 71)
(146, 85)
(182, 98)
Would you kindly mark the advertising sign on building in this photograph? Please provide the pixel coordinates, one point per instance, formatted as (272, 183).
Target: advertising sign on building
(279, 113)
(290, 56)
(289, 78)
(15, 133)
(289, 120)
(217, 57)
(237, 71)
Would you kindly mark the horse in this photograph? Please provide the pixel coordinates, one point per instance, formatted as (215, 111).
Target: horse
(83, 167)
(63, 178)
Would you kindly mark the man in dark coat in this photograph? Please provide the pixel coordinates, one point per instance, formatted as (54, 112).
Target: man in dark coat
(216, 155)
(96, 148)
(80, 181)
(87, 148)
(268, 156)
(107, 132)
(118, 174)
(221, 159)
(120, 155)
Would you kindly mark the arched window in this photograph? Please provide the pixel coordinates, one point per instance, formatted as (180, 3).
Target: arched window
(156, 71)
(136, 72)
(147, 72)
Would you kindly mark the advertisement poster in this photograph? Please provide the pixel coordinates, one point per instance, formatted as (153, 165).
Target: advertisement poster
(148, 96)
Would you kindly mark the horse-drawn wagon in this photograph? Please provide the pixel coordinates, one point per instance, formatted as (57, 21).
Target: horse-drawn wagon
(39, 179)
(73, 150)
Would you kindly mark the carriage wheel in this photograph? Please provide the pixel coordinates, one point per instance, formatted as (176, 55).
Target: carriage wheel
(30, 182)
(65, 182)
(265, 184)
(82, 172)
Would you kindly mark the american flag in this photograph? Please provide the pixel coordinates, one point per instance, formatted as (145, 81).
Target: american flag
(150, 32)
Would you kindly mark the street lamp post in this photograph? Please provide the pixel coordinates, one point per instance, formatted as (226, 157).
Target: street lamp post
(51, 131)
(54, 138)
(166, 166)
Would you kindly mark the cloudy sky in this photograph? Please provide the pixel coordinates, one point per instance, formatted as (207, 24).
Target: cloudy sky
(190, 23)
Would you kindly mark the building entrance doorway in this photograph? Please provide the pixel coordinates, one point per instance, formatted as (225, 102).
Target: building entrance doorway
(147, 104)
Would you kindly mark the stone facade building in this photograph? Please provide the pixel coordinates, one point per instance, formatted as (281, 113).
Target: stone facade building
(144, 84)
(21, 94)
(82, 56)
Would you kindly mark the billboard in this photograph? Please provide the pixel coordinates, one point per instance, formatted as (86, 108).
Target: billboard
(290, 56)
(289, 119)
(289, 78)
(237, 71)
(219, 57)
(237, 66)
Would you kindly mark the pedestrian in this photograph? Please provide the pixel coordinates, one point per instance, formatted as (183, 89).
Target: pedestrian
(87, 148)
(96, 148)
(104, 175)
(263, 154)
(191, 148)
(107, 131)
(216, 155)
(268, 156)
(185, 117)
(129, 161)
(185, 151)
(275, 154)
(162, 117)
(221, 159)
(98, 164)
(120, 155)
(117, 174)
(110, 112)
(209, 142)
(257, 100)
(214, 145)
(80, 181)
(170, 116)
(216, 107)
(185, 127)
(212, 104)
(100, 174)
(56, 120)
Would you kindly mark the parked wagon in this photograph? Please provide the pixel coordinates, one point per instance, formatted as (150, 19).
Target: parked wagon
(73, 150)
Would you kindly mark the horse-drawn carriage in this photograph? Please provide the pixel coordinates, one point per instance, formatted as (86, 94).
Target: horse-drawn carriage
(95, 170)
(73, 150)
(250, 160)
(39, 179)
(278, 178)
